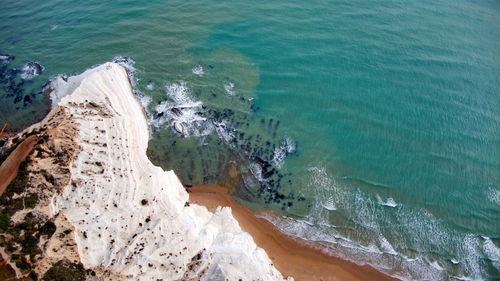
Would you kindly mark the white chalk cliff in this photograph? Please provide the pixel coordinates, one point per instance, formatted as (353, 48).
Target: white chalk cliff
(130, 216)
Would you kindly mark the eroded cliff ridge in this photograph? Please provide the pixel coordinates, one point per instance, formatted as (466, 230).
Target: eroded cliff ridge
(87, 204)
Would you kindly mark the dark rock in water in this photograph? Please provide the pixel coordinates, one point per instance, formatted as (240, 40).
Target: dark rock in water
(206, 179)
(123, 60)
(228, 112)
(27, 100)
(31, 69)
(6, 58)
(254, 108)
(176, 111)
(157, 115)
(210, 66)
(269, 124)
(268, 174)
(46, 88)
(216, 116)
(263, 163)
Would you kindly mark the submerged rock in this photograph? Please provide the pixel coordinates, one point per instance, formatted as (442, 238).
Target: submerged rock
(179, 128)
(176, 111)
(112, 214)
(123, 60)
(6, 58)
(31, 69)
(157, 115)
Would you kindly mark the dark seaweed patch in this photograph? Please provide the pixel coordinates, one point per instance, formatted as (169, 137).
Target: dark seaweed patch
(208, 161)
(22, 94)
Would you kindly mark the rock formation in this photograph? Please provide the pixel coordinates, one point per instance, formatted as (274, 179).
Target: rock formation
(88, 204)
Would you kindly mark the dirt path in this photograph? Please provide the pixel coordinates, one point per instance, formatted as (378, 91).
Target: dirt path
(10, 167)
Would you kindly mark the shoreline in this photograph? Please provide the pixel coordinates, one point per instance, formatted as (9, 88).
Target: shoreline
(202, 245)
(291, 256)
(89, 194)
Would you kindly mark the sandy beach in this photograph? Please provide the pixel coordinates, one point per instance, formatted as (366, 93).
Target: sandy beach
(290, 256)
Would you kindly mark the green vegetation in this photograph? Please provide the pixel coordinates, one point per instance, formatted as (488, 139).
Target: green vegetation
(65, 271)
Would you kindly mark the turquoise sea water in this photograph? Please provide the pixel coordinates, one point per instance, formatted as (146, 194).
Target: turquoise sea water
(374, 126)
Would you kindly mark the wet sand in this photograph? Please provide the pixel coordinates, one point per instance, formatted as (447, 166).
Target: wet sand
(291, 256)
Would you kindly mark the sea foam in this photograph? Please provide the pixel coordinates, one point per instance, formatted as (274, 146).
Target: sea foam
(405, 254)
(492, 252)
(390, 202)
(198, 70)
(286, 147)
(224, 132)
(181, 108)
(31, 69)
(493, 195)
(229, 88)
(150, 86)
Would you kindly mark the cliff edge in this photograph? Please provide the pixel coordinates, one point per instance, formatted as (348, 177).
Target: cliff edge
(92, 206)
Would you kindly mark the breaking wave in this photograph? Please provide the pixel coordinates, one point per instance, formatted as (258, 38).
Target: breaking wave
(198, 70)
(407, 255)
(493, 195)
(285, 147)
(229, 88)
(31, 69)
(128, 64)
(150, 86)
(224, 132)
(492, 252)
(371, 242)
(181, 112)
(389, 202)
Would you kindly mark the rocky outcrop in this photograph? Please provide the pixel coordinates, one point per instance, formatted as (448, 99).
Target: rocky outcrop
(28, 222)
(93, 207)
(31, 69)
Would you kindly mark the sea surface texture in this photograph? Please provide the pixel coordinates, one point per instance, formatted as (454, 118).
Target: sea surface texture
(371, 127)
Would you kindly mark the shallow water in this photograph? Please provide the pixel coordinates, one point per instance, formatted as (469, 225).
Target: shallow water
(372, 125)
